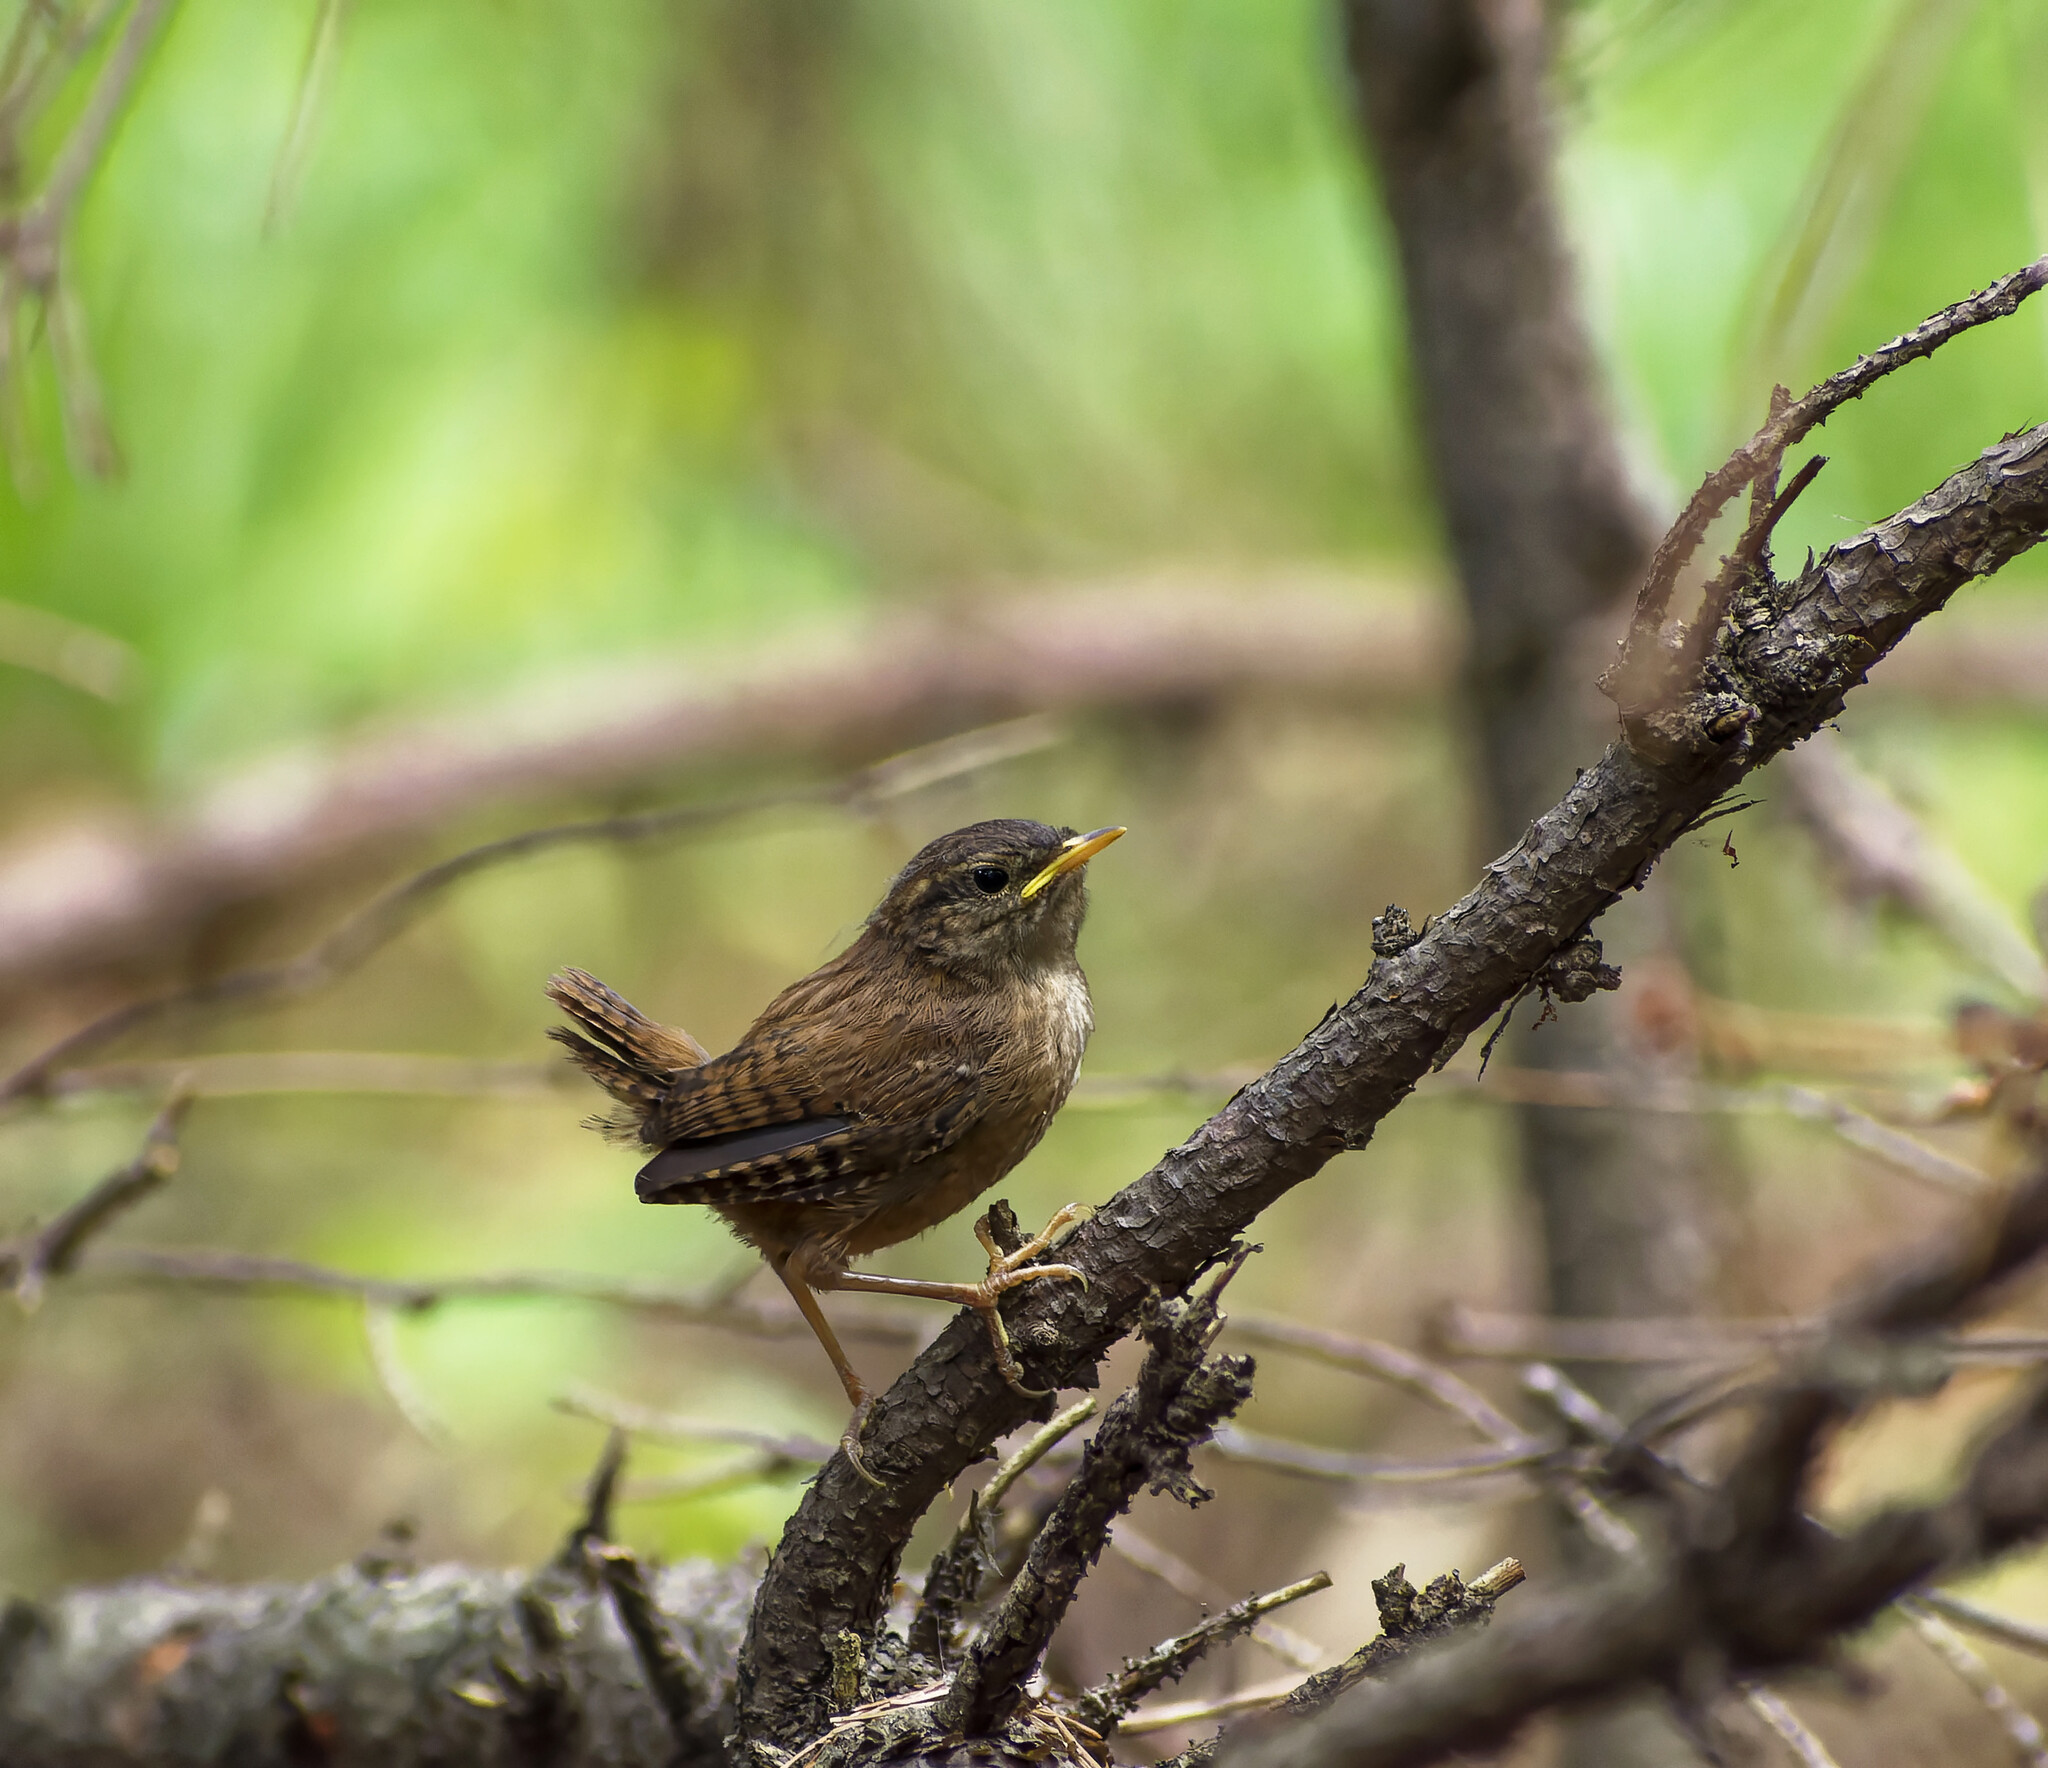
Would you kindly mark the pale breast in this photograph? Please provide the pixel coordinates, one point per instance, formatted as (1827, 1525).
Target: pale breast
(1068, 1018)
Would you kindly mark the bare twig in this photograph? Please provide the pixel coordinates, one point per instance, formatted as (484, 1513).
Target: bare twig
(1103, 1706)
(1389, 1363)
(241, 1273)
(2020, 1635)
(2019, 1726)
(624, 1415)
(1770, 1706)
(1345, 1468)
(29, 1261)
(594, 1527)
(407, 1397)
(1901, 1152)
(1175, 1715)
(1145, 1438)
(1882, 851)
(323, 51)
(1638, 679)
(388, 914)
(1138, 1549)
(38, 230)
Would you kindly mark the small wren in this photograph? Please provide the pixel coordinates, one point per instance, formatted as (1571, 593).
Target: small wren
(886, 1090)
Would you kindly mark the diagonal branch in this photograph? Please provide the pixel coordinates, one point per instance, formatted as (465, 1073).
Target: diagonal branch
(1785, 661)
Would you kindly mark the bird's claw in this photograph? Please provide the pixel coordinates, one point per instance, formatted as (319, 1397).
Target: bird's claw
(849, 1443)
(1009, 1270)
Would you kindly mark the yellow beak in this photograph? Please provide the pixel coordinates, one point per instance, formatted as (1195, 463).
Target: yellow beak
(1074, 855)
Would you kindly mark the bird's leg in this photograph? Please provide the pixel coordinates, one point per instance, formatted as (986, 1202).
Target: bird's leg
(1005, 1272)
(805, 1297)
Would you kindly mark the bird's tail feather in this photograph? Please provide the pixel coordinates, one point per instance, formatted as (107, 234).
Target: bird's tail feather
(628, 1054)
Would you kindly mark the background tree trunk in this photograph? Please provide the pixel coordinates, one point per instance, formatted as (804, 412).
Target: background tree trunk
(1547, 537)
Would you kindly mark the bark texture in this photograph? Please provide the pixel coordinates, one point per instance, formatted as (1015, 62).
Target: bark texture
(361, 1669)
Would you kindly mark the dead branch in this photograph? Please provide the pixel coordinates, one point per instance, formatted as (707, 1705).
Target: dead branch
(1639, 681)
(409, 1668)
(240, 1273)
(1102, 1707)
(1794, 652)
(1145, 1439)
(1742, 1579)
(1881, 851)
(29, 1261)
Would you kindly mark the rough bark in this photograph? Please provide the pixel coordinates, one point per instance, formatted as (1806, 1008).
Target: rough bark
(1785, 659)
(365, 1668)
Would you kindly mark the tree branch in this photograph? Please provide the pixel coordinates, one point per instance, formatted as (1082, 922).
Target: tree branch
(1788, 659)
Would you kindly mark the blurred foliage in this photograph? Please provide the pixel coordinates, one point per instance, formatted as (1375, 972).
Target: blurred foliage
(594, 328)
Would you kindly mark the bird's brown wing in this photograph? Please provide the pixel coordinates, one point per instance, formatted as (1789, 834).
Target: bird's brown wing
(764, 1124)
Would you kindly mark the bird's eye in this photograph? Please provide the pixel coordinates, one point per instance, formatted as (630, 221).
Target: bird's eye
(989, 879)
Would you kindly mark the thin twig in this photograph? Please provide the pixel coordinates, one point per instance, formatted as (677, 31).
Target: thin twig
(2019, 1726)
(1174, 1715)
(50, 213)
(2020, 1635)
(584, 1402)
(1770, 1706)
(408, 1398)
(761, 1467)
(28, 1262)
(594, 1527)
(1034, 1449)
(1344, 1468)
(239, 1273)
(323, 51)
(1136, 1548)
(1389, 1363)
(1104, 1705)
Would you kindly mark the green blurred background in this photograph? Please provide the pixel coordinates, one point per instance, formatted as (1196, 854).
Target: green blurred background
(584, 333)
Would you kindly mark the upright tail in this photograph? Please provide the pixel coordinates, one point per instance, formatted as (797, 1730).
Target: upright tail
(617, 1045)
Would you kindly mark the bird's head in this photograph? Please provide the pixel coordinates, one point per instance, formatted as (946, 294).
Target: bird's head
(1003, 895)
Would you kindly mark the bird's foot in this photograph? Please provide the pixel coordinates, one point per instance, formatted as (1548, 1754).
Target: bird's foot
(1007, 1270)
(849, 1440)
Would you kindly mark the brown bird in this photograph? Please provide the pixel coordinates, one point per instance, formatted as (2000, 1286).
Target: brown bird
(883, 1092)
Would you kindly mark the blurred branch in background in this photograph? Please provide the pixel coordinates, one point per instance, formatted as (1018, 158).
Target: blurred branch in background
(1881, 852)
(106, 894)
(1738, 1577)
(388, 914)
